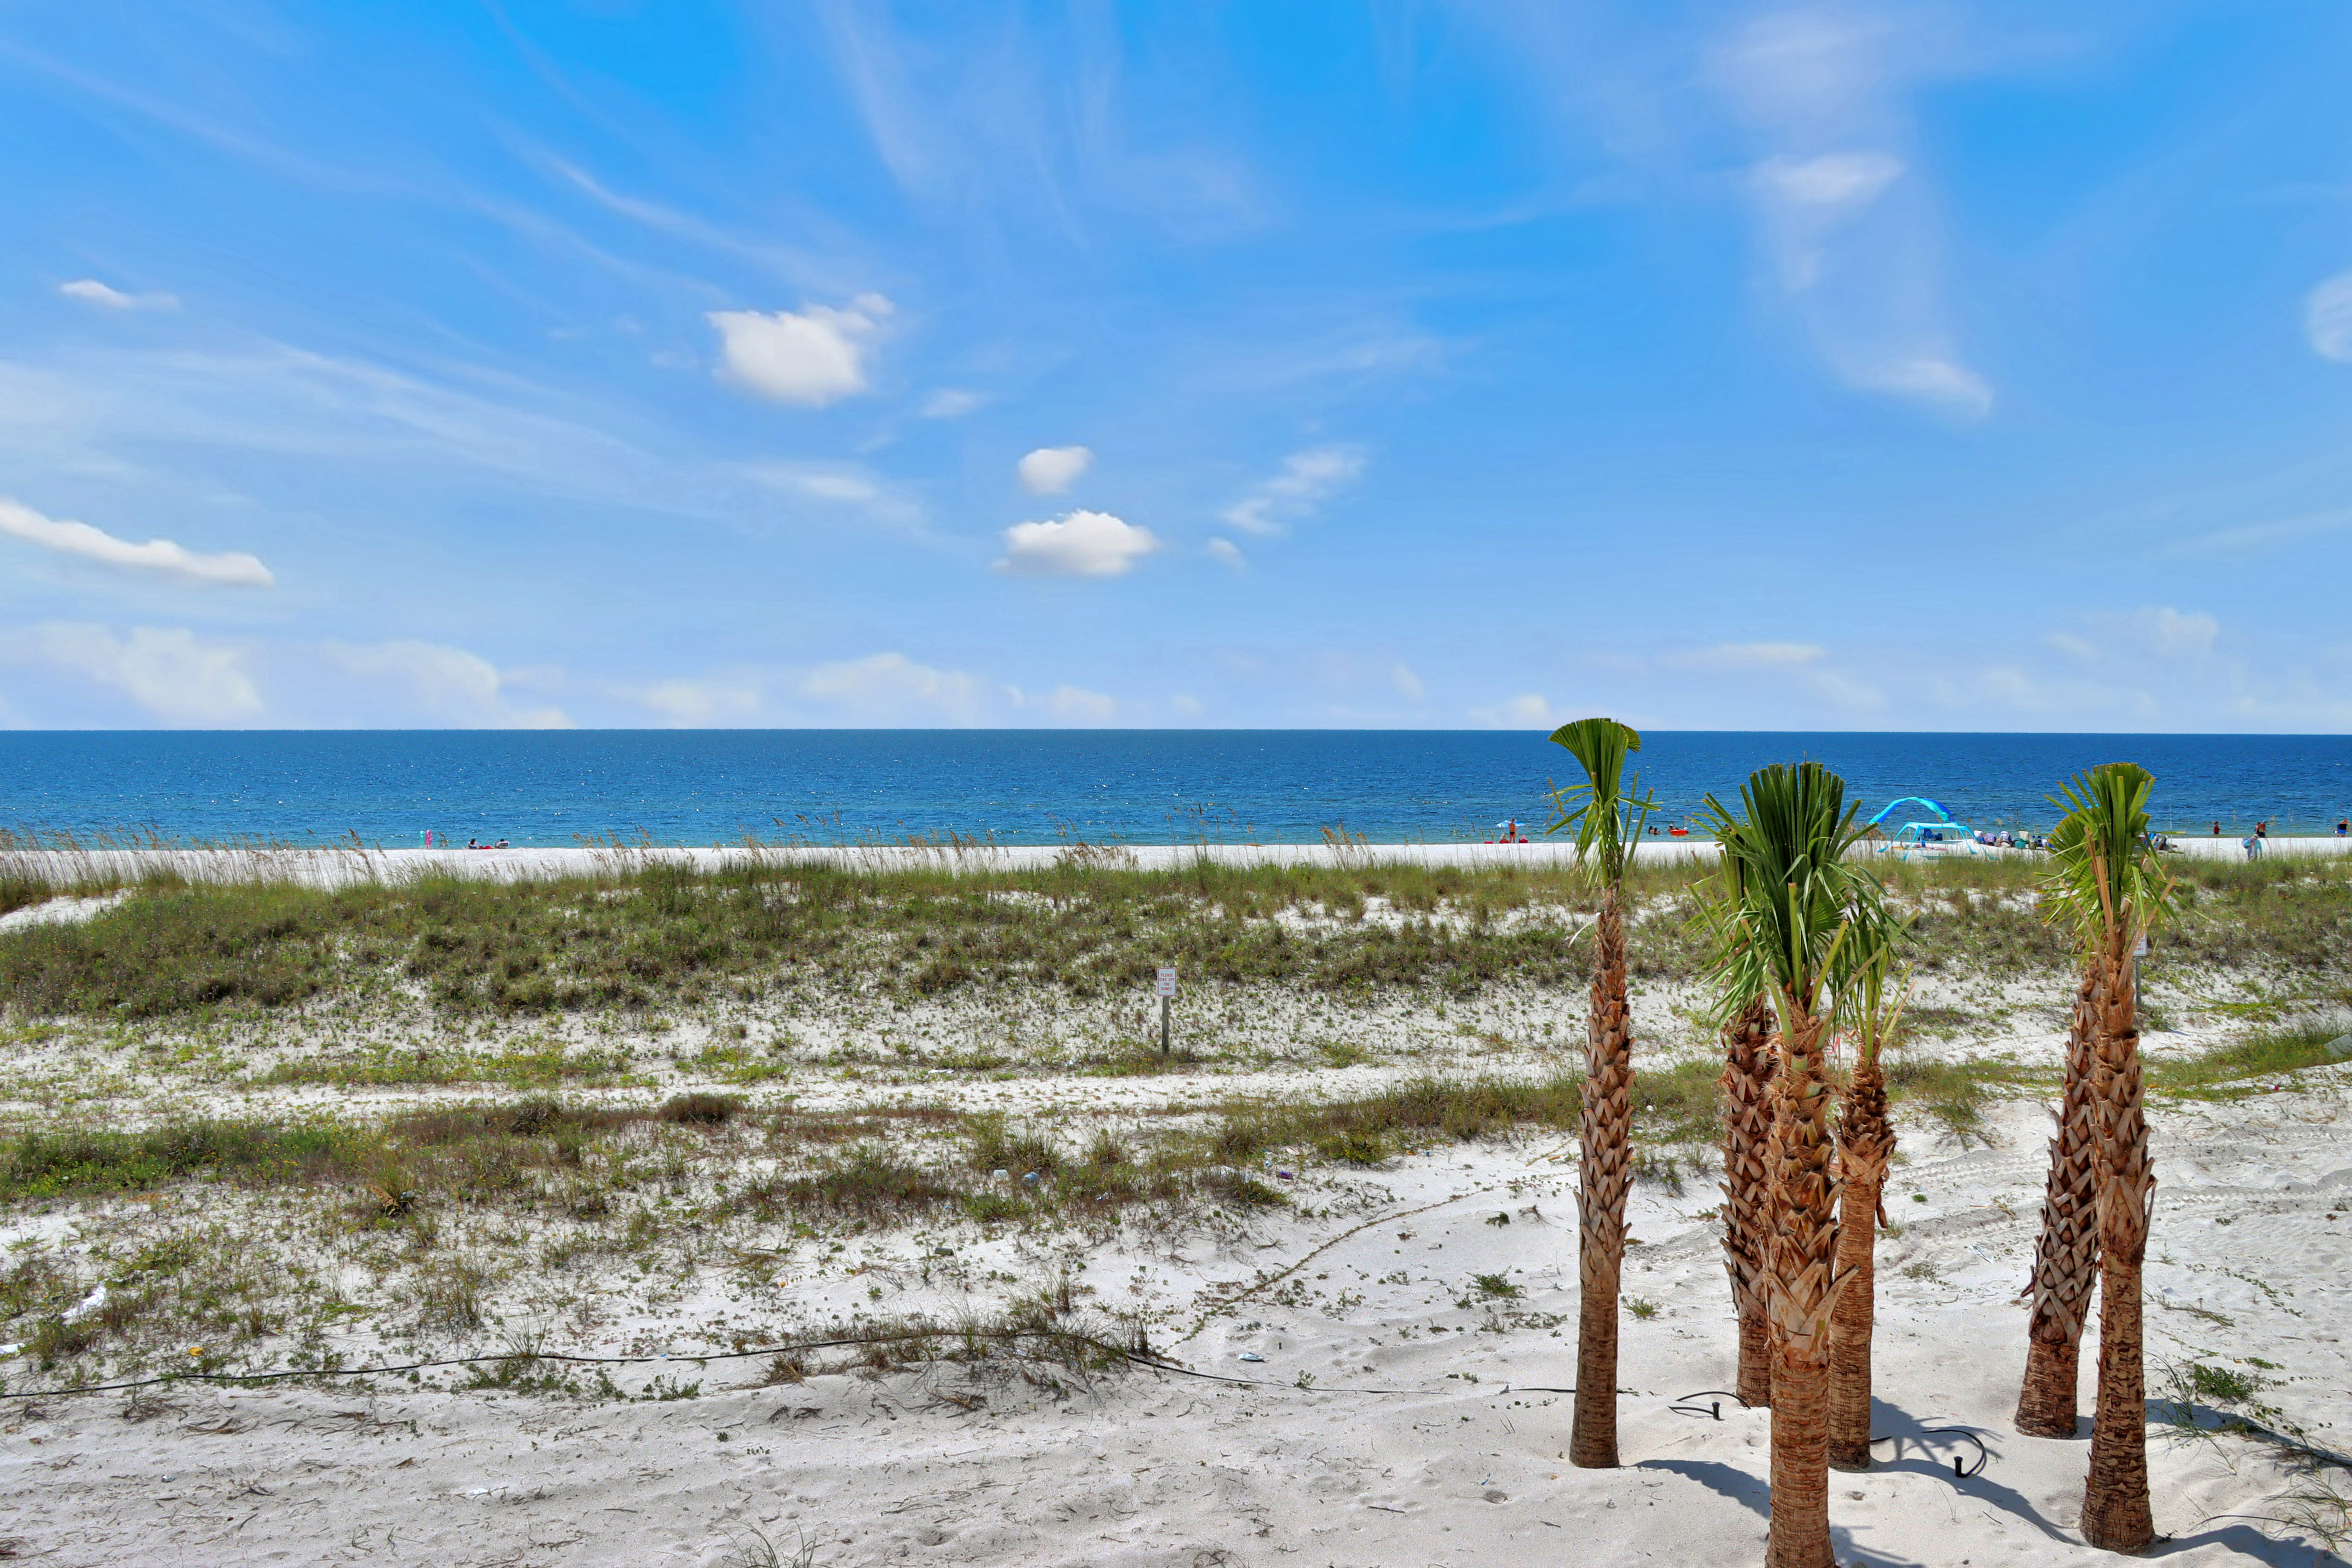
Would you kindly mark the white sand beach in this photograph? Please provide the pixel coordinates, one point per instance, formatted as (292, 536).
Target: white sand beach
(1372, 1373)
(332, 867)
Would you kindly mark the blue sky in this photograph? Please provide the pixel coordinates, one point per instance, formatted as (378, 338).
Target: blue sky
(1869, 366)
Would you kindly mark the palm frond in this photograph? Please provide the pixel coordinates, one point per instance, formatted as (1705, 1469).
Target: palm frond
(2105, 880)
(1608, 810)
(1794, 916)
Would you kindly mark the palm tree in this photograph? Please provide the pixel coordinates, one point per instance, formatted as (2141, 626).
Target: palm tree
(1799, 900)
(2066, 1259)
(1866, 1143)
(1607, 814)
(2105, 881)
(1746, 1086)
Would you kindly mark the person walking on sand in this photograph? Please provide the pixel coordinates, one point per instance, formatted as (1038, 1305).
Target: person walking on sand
(2343, 827)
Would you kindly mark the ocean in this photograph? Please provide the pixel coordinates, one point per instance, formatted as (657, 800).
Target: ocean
(1032, 787)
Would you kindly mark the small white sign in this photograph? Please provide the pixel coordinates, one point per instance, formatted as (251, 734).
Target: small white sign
(2141, 951)
(1167, 980)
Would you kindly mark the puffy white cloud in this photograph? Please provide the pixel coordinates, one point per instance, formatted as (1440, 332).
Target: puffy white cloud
(1528, 711)
(1226, 552)
(1050, 471)
(1081, 544)
(1080, 706)
(447, 683)
(951, 403)
(692, 704)
(810, 357)
(2327, 318)
(234, 567)
(170, 672)
(1307, 479)
(1190, 707)
(890, 685)
(91, 291)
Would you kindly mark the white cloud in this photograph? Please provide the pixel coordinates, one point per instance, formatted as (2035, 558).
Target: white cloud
(1848, 219)
(1226, 552)
(1408, 685)
(1842, 691)
(810, 357)
(951, 403)
(1050, 471)
(1793, 662)
(91, 291)
(1081, 544)
(889, 685)
(694, 704)
(447, 683)
(169, 673)
(1726, 657)
(1930, 378)
(1080, 706)
(1834, 180)
(234, 568)
(2075, 647)
(1528, 711)
(1307, 479)
(838, 485)
(2327, 318)
(1190, 707)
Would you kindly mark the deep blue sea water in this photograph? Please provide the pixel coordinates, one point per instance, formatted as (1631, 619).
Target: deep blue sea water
(1030, 786)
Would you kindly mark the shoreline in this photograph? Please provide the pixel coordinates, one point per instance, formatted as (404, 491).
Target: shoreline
(336, 868)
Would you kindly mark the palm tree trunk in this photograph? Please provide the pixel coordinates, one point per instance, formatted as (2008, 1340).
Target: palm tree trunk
(1747, 1086)
(2066, 1259)
(1804, 1289)
(1865, 1144)
(2115, 1514)
(1604, 1175)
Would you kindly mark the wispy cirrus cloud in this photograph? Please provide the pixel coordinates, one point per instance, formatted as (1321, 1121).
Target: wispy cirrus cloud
(164, 557)
(1845, 212)
(2327, 318)
(1307, 479)
(91, 292)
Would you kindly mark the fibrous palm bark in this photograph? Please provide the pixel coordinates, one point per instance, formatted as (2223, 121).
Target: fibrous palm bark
(1604, 1171)
(1804, 1282)
(1746, 1085)
(2066, 1259)
(1866, 1142)
(2116, 1513)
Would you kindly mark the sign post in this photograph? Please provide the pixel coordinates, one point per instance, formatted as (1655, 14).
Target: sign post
(1167, 991)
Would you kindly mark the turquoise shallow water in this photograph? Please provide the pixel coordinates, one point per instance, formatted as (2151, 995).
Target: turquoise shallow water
(1031, 787)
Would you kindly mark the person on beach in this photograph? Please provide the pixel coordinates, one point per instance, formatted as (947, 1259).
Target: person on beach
(2216, 830)
(2343, 827)
(2262, 829)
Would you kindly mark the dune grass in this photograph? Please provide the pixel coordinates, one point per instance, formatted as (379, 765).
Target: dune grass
(2244, 1066)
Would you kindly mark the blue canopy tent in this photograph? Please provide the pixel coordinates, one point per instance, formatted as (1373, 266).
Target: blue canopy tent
(1943, 834)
